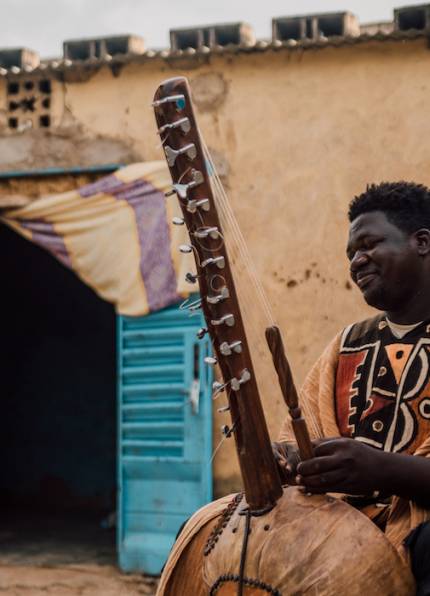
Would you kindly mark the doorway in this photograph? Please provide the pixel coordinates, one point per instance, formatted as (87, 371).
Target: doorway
(58, 412)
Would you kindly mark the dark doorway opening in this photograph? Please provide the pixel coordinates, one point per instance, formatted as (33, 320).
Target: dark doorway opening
(58, 411)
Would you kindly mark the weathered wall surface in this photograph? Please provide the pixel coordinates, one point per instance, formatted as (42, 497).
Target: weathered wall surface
(296, 135)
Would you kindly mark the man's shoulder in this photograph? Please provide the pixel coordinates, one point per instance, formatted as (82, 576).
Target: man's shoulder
(362, 331)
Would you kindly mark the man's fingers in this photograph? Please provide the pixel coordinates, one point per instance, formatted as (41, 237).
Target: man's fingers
(316, 465)
(285, 468)
(316, 442)
(327, 481)
(281, 459)
(329, 446)
(279, 450)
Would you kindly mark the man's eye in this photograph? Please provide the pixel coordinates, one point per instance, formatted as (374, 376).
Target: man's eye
(372, 243)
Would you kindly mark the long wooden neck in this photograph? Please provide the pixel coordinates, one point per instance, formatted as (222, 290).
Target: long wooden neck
(223, 316)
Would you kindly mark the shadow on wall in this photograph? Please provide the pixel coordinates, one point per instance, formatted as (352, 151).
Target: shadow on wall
(58, 376)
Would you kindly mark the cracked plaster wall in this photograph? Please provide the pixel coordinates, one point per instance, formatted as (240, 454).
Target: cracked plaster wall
(68, 142)
(296, 135)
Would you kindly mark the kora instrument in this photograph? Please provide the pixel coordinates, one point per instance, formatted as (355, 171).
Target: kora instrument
(271, 539)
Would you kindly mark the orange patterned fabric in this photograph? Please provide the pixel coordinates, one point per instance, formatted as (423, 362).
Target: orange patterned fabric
(374, 387)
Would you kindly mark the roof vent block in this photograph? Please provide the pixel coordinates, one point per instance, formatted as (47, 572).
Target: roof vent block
(211, 36)
(314, 26)
(20, 58)
(100, 47)
(412, 17)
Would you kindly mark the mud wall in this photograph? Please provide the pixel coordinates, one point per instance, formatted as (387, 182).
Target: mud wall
(295, 135)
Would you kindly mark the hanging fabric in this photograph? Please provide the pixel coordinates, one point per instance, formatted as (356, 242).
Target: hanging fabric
(116, 235)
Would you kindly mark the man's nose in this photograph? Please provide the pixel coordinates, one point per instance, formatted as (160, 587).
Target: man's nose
(359, 259)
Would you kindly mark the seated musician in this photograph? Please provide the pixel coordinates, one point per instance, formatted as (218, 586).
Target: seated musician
(377, 449)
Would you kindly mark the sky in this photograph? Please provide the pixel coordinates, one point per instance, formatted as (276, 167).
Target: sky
(42, 25)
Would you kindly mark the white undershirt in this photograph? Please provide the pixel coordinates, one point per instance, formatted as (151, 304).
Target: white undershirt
(400, 331)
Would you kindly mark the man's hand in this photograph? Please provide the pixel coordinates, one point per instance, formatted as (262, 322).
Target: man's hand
(341, 465)
(287, 458)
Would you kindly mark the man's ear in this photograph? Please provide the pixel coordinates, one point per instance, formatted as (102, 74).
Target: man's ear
(422, 241)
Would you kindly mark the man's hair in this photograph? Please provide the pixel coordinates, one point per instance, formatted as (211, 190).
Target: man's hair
(405, 204)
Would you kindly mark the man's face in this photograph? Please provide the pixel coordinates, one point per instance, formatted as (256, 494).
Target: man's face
(384, 262)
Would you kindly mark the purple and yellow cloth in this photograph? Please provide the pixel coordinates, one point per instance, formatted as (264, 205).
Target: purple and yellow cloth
(116, 235)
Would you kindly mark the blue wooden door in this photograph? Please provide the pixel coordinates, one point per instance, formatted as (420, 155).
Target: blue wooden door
(164, 434)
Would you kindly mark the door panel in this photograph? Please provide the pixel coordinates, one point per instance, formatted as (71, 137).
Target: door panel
(165, 433)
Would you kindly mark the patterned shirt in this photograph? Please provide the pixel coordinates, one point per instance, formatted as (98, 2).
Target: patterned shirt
(383, 385)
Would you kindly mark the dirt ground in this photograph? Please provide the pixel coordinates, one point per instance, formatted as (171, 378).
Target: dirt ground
(88, 580)
(62, 556)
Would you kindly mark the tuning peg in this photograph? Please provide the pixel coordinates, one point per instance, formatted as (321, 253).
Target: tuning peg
(179, 100)
(225, 320)
(182, 189)
(191, 278)
(226, 430)
(223, 295)
(244, 378)
(213, 232)
(183, 123)
(217, 388)
(178, 221)
(185, 248)
(210, 360)
(201, 332)
(223, 409)
(218, 261)
(227, 349)
(171, 154)
(195, 204)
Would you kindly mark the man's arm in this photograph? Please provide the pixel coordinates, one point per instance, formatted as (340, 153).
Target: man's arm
(348, 466)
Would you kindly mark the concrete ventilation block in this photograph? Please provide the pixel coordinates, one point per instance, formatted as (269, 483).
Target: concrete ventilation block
(181, 39)
(81, 49)
(233, 33)
(211, 36)
(412, 17)
(28, 102)
(284, 28)
(20, 57)
(124, 44)
(314, 26)
(100, 47)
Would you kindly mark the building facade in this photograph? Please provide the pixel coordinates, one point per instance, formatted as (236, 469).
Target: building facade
(297, 126)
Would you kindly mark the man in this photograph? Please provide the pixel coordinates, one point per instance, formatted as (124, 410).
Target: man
(370, 390)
